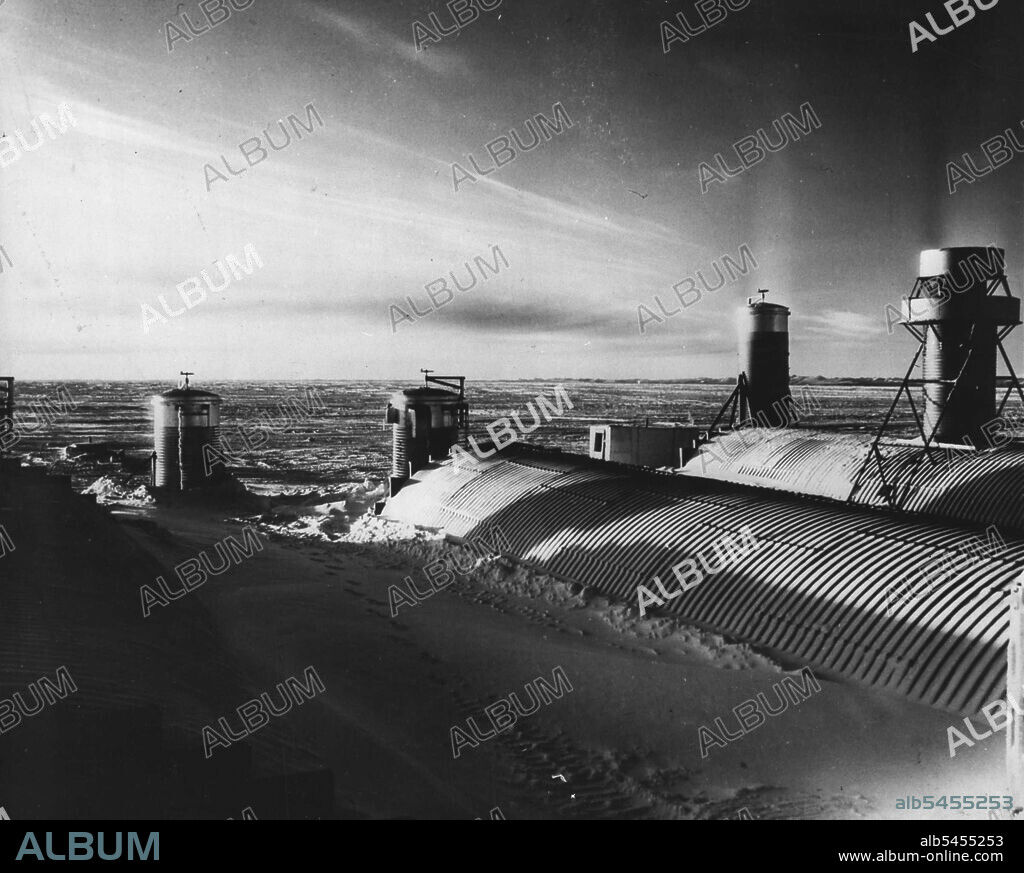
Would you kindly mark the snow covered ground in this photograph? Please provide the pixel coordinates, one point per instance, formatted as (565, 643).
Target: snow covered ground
(627, 739)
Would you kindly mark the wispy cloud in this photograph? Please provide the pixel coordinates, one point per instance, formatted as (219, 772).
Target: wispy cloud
(441, 60)
(541, 207)
(838, 323)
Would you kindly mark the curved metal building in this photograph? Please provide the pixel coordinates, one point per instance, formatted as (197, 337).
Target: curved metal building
(910, 605)
(884, 560)
(982, 488)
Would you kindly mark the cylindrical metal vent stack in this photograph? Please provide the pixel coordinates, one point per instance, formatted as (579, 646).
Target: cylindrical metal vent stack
(426, 422)
(185, 422)
(960, 322)
(764, 358)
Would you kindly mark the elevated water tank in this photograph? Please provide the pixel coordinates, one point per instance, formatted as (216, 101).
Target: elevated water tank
(959, 319)
(185, 422)
(426, 422)
(764, 358)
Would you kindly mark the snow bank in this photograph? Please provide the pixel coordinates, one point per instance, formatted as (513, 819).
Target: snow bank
(108, 490)
(509, 579)
(681, 638)
(321, 515)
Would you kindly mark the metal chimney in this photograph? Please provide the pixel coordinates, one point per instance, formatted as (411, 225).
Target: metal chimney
(960, 322)
(764, 359)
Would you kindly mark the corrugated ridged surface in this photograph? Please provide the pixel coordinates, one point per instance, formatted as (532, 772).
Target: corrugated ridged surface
(815, 587)
(985, 488)
(172, 445)
(980, 487)
(801, 461)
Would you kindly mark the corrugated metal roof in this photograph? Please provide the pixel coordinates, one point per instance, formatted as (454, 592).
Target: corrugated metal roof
(800, 461)
(980, 487)
(984, 488)
(814, 588)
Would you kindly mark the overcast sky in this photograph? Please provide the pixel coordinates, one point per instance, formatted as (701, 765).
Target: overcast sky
(360, 214)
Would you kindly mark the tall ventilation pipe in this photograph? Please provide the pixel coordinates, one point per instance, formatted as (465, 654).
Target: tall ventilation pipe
(764, 361)
(959, 323)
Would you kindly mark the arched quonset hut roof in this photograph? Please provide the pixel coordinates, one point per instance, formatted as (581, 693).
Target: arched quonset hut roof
(815, 588)
(984, 488)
